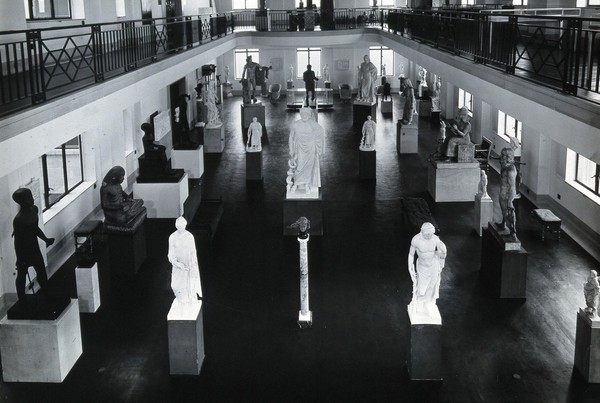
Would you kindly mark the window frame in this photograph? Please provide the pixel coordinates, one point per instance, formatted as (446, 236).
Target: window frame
(518, 128)
(462, 100)
(316, 3)
(380, 50)
(45, 177)
(30, 15)
(300, 70)
(247, 52)
(596, 176)
(245, 5)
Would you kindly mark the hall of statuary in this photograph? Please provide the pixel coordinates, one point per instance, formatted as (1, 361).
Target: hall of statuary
(300, 201)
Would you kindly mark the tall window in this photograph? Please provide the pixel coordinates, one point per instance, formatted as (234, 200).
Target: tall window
(587, 173)
(465, 99)
(240, 60)
(386, 3)
(467, 2)
(306, 56)
(244, 4)
(509, 126)
(522, 2)
(381, 56)
(62, 171)
(48, 9)
(316, 3)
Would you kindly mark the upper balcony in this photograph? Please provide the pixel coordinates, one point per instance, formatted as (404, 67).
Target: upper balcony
(560, 51)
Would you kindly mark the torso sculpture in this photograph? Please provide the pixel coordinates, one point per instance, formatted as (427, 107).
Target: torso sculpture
(120, 210)
(367, 74)
(410, 106)
(426, 274)
(369, 129)
(307, 141)
(185, 276)
(254, 136)
(26, 233)
(508, 191)
(462, 133)
(591, 290)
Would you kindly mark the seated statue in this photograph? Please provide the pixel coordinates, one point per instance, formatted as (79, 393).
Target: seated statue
(154, 161)
(461, 133)
(120, 210)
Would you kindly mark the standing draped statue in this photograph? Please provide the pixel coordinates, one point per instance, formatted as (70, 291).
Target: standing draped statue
(254, 136)
(367, 75)
(212, 112)
(369, 129)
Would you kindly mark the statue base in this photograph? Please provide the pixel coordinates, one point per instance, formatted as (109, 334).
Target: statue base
(186, 338)
(305, 321)
(127, 252)
(254, 166)
(587, 347)
(484, 213)
(453, 181)
(360, 111)
(88, 288)
(191, 161)
(367, 164)
(387, 107)
(311, 209)
(214, 139)
(327, 84)
(163, 200)
(424, 107)
(425, 345)
(289, 85)
(250, 111)
(407, 138)
(503, 264)
(40, 350)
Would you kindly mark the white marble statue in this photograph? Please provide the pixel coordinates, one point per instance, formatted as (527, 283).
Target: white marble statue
(367, 75)
(426, 274)
(185, 277)
(326, 77)
(212, 112)
(482, 188)
(291, 73)
(436, 105)
(591, 290)
(226, 74)
(254, 136)
(367, 143)
(307, 143)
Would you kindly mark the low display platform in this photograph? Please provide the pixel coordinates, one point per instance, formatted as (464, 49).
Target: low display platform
(191, 161)
(453, 181)
(163, 200)
(587, 347)
(407, 137)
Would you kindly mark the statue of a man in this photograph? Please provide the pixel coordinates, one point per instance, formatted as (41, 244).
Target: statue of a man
(249, 73)
(119, 208)
(26, 232)
(591, 290)
(307, 143)
(508, 191)
(410, 106)
(185, 277)
(426, 274)
(254, 136)
(369, 129)
(367, 73)
(462, 133)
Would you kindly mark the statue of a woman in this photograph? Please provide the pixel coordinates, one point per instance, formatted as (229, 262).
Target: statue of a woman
(254, 136)
(369, 128)
(185, 277)
(367, 73)
(410, 106)
(307, 141)
(483, 182)
(212, 112)
(291, 73)
(591, 290)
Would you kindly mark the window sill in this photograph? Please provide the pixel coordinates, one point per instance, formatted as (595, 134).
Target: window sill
(584, 191)
(65, 201)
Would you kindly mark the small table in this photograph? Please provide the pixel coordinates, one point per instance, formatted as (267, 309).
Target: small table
(549, 222)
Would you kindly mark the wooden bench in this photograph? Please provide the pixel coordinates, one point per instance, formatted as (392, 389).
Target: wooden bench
(549, 222)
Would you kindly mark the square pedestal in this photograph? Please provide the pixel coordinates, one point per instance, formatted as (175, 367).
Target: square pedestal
(214, 139)
(311, 209)
(254, 166)
(250, 111)
(127, 252)
(88, 288)
(503, 264)
(425, 347)
(361, 110)
(186, 340)
(163, 200)
(367, 163)
(40, 350)
(484, 212)
(424, 107)
(453, 181)
(387, 107)
(587, 347)
(191, 161)
(407, 137)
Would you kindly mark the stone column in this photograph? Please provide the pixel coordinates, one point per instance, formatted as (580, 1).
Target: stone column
(305, 315)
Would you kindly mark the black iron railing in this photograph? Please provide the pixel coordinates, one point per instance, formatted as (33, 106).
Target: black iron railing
(40, 64)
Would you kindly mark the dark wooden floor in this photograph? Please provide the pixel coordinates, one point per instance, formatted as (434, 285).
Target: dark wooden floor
(494, 350)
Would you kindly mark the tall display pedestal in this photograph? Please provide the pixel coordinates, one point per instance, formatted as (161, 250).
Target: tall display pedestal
(387, 107)
(425, 345)
(88, 288)
(587, 347)
(453, 181)
(163, 200)
(186, 339)
(309, 208)
(424, 107)
(407, 137)
(503, 264)
(360, 111)
(127, 251)
(484, 213)
(250, 111)
(254, 166)
(40, 350)
(214, 139)
(191, 161)
(367, 163)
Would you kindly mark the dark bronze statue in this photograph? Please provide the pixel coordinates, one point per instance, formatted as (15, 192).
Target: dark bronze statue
(120, 210)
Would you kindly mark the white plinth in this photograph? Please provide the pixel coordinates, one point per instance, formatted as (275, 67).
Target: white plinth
(305, 320)
(192, 161)
(88, 288)
(424, 315)
(186, 339)
(484, 213)
(163, 200)
(40, 350)
(453, 181)
(302, 194)
(214, 139)
(407, 137)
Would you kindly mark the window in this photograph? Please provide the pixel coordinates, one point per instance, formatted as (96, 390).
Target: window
(522, 2)
(592, 3)
(465, 99)
(245, 4)
(316, 3)
(467, 2)
(62, 171)
(587, 173)
(240, 60)
(306, 56)
(386, 3)
(509, 126)
(381, 56)
(120, 8)
(47, 9)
